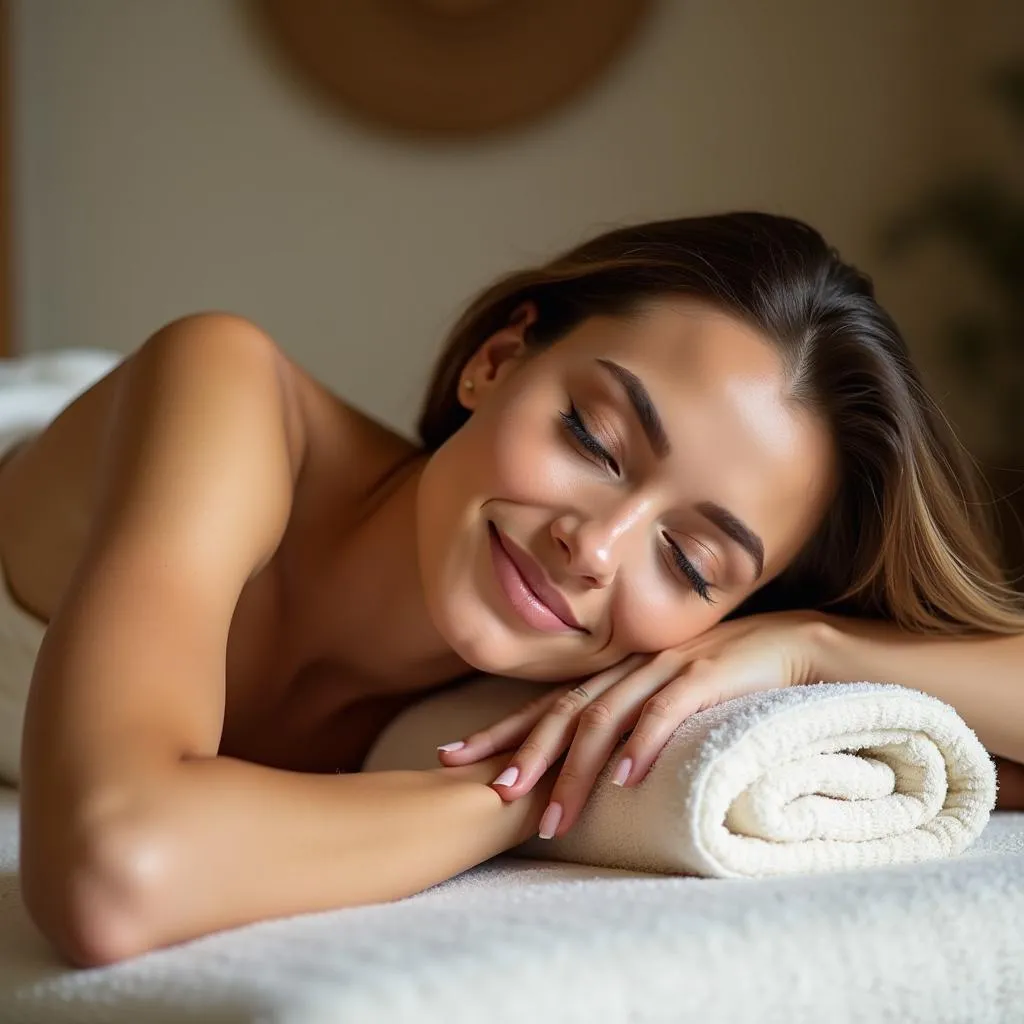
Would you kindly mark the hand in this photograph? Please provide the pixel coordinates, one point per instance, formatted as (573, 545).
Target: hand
(521, 817)
(643, 699)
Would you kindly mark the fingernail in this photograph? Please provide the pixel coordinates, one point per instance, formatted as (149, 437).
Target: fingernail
(549, 823)
(457, 745)
(622, 770)
(507, 777)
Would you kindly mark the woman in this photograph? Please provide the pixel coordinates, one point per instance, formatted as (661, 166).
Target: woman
(244, 579)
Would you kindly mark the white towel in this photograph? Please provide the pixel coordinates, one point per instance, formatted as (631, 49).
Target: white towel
(806, 779)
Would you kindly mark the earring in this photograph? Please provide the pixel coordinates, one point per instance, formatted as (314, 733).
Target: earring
(467, 384)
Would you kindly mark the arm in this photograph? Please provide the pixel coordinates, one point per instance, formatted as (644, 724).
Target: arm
(134, 833)
(981, 677)
(218, 843)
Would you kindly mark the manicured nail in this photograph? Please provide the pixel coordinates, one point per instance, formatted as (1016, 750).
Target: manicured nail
(549, 823)
(622, 770)
(457, 745)
(507, 777)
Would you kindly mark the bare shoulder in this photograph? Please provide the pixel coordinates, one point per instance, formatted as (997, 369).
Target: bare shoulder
(321, 426)
(229, 354)
(50, 489)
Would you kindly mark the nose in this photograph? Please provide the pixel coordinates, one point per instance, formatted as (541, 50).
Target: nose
(591, 548)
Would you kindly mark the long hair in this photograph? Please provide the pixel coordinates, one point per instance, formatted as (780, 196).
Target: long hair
(909, 537)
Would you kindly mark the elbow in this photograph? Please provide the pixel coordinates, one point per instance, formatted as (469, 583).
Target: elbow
(96, 904)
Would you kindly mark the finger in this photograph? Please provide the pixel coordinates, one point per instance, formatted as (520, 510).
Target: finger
(662, 713)
(605, 724)
(503, 734)
(550, 737)
(600, 730)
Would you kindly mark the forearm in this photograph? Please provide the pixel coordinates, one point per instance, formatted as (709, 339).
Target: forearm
(981, 677)
(224, 843)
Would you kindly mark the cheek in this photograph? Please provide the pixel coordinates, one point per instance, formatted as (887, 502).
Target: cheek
(522, 457)
(500, 454)
(653, 616)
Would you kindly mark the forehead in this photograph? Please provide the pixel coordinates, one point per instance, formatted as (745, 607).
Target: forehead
(682, 339)
(722, 392)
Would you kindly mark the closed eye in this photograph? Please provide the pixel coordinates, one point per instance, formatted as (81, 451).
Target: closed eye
(577, 428)
(689, 570)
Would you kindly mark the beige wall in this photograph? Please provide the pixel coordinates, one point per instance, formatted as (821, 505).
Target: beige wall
(164, 165)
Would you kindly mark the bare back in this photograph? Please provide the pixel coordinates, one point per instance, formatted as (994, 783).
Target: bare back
(280, 709)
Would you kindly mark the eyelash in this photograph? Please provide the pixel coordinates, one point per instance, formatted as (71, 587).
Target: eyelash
(573, 423)
(699, 584)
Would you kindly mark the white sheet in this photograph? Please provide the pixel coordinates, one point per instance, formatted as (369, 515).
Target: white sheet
(516, 940)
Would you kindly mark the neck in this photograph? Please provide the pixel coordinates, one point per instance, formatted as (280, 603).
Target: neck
(367, 611)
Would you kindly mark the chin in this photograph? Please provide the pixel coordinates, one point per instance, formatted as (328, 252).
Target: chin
(492, 647)
(476, 638)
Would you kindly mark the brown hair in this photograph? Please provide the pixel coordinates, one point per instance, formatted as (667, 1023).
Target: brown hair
(909, 537)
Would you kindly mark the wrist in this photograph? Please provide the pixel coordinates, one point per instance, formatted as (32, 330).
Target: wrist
(523, 814)
(827, 645)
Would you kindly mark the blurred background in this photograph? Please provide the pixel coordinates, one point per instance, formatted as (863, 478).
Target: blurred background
(165, 156)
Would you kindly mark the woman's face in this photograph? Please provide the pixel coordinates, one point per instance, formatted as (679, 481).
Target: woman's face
(617, 492)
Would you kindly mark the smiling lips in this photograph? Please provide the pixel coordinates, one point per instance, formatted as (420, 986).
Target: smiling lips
(527, 589)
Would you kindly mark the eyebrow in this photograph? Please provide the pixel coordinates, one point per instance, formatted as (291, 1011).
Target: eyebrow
(639, 398)
(642, 405)
(738, 530)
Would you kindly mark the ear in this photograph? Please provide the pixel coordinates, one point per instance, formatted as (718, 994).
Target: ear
(497, 357)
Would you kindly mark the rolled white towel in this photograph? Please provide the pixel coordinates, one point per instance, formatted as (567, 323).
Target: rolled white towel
(806, 779)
